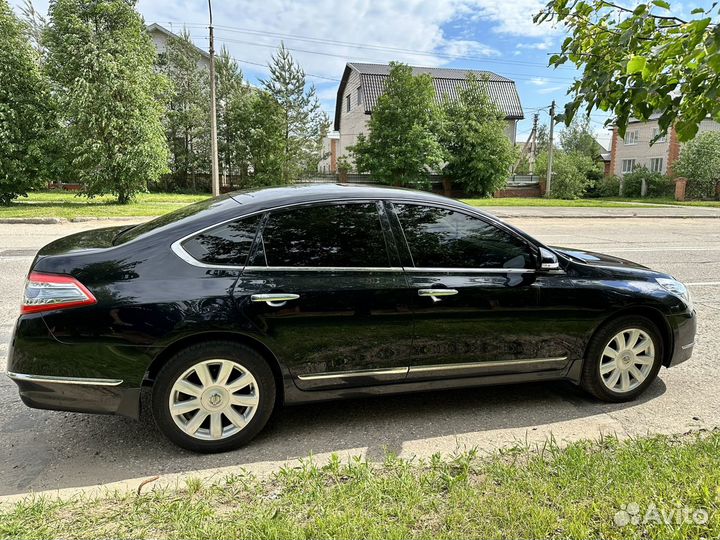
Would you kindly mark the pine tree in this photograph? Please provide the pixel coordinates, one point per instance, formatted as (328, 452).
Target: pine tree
(23, 114)
(304, 123)
(100, 60)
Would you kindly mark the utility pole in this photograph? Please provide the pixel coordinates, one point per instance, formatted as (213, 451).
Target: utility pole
(548, 178)
(533, 144)
(213, 117)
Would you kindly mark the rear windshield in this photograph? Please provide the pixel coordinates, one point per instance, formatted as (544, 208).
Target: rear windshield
(132, 233)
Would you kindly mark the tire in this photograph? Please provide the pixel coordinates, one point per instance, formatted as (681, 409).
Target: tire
(236, 410)
(598, 376)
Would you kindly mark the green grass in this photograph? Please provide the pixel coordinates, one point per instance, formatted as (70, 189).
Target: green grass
(68, 205)
(547, 492)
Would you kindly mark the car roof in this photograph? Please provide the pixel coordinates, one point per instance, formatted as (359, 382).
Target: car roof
(308, 193)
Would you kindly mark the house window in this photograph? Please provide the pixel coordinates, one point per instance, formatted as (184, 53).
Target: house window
(628, 165)
(347, 103)
(656, 132)
(656, 164)
(632, 137)
(359, 95)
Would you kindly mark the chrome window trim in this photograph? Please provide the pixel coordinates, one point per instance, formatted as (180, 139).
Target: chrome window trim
(177, 248)
(473, 270)
(353, 373)
(323, 269)
(83, 381)
(487, 364)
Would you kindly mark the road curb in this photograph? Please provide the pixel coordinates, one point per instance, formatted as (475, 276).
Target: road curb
(56, 220)
(34, 221)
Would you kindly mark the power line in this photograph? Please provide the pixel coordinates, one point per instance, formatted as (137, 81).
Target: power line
(370, 46)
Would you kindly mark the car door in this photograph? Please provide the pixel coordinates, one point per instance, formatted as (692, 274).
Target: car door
(474, 295)
(325, 289)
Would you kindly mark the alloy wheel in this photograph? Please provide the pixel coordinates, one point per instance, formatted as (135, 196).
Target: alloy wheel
(214, 399)
(627, 360)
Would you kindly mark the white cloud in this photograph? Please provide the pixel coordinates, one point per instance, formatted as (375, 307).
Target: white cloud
(551, 89)
(544, 45)
(539, 81)
(512, 18)
(465, 47)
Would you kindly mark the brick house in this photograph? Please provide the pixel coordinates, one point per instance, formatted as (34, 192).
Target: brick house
(634, 150)
(362, 84)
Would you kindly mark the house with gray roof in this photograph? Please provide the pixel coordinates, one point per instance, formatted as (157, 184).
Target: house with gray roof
(362, 84)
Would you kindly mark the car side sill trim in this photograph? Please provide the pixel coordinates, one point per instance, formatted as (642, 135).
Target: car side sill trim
(425, 369)
(355, 373)
(64, 380)
(481, 365)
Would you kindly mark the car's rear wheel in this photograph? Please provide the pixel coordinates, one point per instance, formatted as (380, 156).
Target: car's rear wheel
(213, 397)
(623, 358)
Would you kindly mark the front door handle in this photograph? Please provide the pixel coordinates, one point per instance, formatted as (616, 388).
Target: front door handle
(435, 294)
(274, 299)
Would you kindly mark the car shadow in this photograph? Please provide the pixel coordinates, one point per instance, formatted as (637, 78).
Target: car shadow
(50, 450)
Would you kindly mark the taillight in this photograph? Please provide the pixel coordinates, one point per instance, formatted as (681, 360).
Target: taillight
(46, 292)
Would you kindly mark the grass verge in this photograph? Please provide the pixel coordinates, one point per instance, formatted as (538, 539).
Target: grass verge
(62, 204)
(548, 492)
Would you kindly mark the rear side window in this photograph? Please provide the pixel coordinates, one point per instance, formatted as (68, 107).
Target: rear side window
(442, 238)
(227, 244)
(334, 235)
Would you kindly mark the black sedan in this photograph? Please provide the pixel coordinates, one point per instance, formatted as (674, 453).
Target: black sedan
(229, 308)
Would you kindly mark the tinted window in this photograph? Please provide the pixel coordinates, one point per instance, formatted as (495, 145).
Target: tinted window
(226, 244)
(440, 238)
(338, 235)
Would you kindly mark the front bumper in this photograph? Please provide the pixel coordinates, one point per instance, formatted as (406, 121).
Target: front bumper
(100, 396)
(684, 330)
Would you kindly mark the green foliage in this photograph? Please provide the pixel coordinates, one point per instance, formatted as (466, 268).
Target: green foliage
(187, 120)
(100, 60)
(402, 143)
(639, 60)
(479, 153)
(658, 185)
(699, 162)
(573, 174)
(579, 138)
(304, 124)
(24, 116)
(609, 187)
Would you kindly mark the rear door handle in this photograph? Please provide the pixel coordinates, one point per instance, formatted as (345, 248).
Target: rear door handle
(435, 294)
(274, 299)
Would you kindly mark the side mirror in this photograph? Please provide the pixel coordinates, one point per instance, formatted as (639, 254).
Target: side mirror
(548, 260)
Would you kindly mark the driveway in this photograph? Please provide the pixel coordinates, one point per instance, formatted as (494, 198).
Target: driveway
(46, 450)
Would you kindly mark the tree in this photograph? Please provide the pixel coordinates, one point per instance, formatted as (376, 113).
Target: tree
(304, 123)
(100, 60)
(402, 143)
(479, 153)
(23, 114)
(188, 116)
(641, 60)
(573, 173)
(578, 137)
(230, 90)
(699, 162)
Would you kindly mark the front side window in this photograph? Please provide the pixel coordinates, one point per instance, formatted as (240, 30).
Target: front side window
(227, 244)
(656, 164)
(442, 238)
(333, 235)
(656, 133)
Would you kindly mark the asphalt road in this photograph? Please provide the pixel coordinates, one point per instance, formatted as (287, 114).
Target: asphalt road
(47, 450)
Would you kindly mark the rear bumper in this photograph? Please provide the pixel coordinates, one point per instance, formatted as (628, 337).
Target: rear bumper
(99, 396)
(685, 327)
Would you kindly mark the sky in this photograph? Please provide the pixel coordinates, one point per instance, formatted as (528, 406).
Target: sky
(322, 35)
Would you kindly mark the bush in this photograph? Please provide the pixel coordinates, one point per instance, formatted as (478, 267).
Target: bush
(609, 187)
(700, 163)
(658, 185)
(573, 174)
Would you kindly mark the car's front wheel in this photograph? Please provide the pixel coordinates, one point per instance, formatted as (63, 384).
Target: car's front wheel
(213, 397)
(623, 359)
